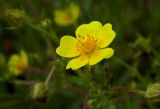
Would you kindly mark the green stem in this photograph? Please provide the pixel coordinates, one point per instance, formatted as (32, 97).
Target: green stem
(154, 52)
(89, 68)
(37, 28)
(23, 82)
(85, 101)
(50, 74)
(20, 82)
(127, 90)
(129, 67)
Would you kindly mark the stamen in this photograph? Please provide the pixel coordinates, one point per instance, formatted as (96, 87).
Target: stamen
(86, 44)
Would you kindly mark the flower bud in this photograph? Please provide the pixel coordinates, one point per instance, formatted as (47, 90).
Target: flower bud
(143, 43)
(90, 104)
(40, 92)
(14, 16)
(153, 93)
(46, 22)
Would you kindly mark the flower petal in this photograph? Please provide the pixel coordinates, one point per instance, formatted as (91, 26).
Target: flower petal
(91, 29)
(67, 47)
(13, 64)
(106, 35)
(78, 62)
(75, 11)
(68, 16)
(62, 18)
(99, 55)
(58, 17)
(24, 58)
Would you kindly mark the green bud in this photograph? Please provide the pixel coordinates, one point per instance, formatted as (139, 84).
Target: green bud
(46, 22)
(133, 85)
(14, 16)
(40, 92)
(153, 93)
(90, 104)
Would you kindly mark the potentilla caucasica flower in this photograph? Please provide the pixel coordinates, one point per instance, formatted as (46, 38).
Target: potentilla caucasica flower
(89, 46)
(18, 63)
(67, 16)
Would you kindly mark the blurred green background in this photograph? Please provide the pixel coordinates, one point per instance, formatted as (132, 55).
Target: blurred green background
(134, 66)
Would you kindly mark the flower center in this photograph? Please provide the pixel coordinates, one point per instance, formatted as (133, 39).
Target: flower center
(68, 16)
(86, 44)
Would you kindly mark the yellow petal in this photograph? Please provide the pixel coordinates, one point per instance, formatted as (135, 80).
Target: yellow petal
(67, 47)
(59, 18)
(13, 64)
(24, 58)
(17, 63)
(78, 62)
(66, 17)
(91, 29)
(99, 55)
(75, 11)
(106, 35)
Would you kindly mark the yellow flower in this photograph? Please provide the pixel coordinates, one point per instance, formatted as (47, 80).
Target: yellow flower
(18, 63)
(68, 16)
(89, 46)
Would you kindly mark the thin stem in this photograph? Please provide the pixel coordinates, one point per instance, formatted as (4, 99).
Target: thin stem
(44, 33)
(37, 70)
(89, 68)
(32, 9)
(154, 52)
(124, 90)
(37, 28)
(23, 82)
(125, 64)
(34, 69)
(20, 82)
(50, 74)
(129, 67)
(85, 101)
